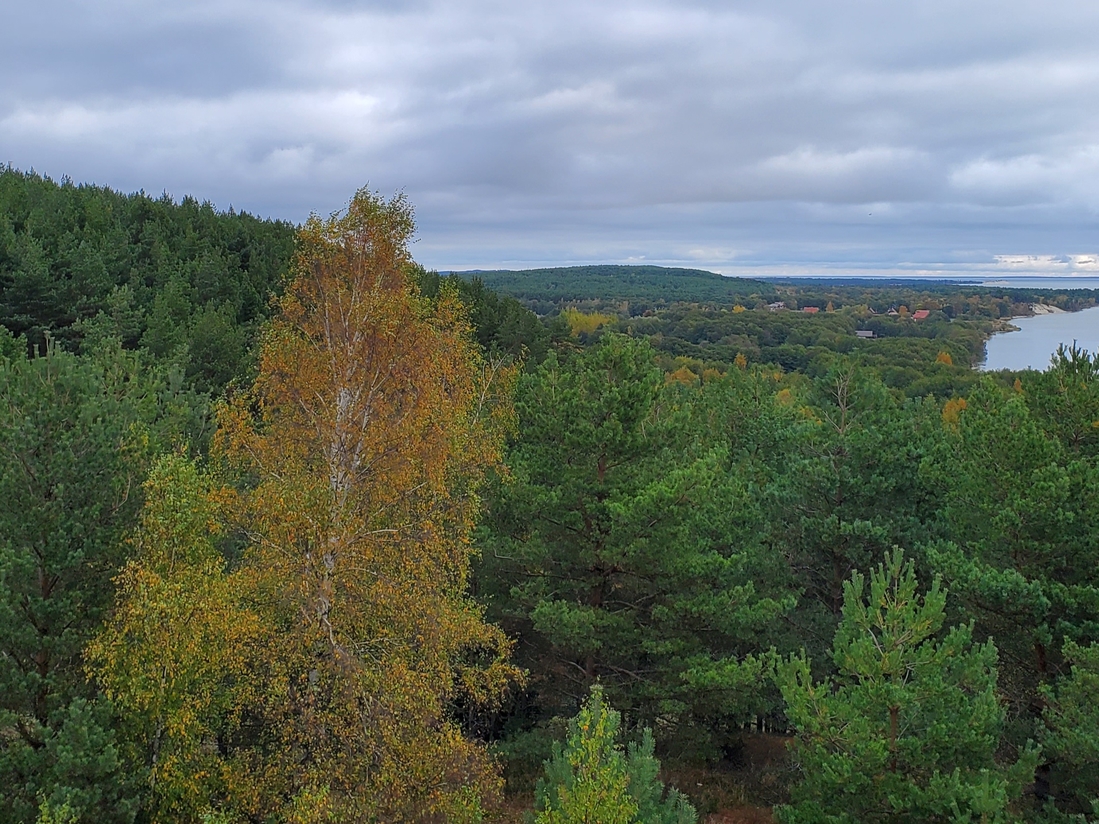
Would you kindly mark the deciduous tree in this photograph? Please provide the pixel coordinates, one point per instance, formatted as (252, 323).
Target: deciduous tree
(173, 657)
(369, 426)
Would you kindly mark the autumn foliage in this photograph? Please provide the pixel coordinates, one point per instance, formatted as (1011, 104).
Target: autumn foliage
(174, 656)
(952, 410)
(371, 420)
(236, 534)
(356, 457)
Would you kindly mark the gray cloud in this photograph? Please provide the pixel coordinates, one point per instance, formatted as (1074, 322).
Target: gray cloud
(861, 135)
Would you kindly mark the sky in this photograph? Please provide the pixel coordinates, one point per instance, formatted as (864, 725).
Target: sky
(780, 137)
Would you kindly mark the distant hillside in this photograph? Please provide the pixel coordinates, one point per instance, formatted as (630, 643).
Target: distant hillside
(656, 285)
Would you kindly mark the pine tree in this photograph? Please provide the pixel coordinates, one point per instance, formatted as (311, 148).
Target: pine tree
(846, 490)
(1020, 511)
(1070, 737)
(74, 436)
(622, 547)
(908, 729)
(591, 780)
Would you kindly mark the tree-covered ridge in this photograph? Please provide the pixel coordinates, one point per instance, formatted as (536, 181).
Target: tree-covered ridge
(638, 289)
(180, 280)
(922, 337)
(649, 285)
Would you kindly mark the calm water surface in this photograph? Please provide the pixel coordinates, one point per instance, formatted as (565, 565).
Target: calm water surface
(1043, 283)
(1038, 338)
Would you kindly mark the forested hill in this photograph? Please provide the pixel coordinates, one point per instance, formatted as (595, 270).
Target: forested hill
(173, 278)
(652, 284)
(640, 288)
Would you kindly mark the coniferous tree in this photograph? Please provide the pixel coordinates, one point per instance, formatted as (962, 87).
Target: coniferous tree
(1064, 399)
(178, 278)
(592, 780)
(74, 438)
(620, 550)
(1070, 737)
(1020, 509)
(848, 491)
(908, 729)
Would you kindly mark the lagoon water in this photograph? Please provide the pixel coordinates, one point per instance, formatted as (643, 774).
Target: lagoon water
(1041, 283)
(1038, 338)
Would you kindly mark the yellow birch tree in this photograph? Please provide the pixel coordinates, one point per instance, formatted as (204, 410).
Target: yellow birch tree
(173, 657)
(370, 424)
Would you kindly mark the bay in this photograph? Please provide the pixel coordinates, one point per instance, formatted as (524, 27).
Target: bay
(1038, 338)
(1057, 283)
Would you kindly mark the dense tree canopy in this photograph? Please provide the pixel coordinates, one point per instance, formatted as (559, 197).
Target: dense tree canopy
(178, 279)
(75, 438)
(295, 530)
(618, 538)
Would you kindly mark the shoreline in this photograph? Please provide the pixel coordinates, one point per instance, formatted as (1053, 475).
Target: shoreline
(1037, 310)
(1075, 331)
(1046, 309)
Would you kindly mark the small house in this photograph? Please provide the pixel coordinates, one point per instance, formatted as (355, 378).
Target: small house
(920, 314)
(864, 333)
(812, 310)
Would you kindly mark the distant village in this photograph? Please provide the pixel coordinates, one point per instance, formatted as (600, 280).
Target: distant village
(919, 314)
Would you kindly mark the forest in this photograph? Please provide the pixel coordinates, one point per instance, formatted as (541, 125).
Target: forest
(295, 530)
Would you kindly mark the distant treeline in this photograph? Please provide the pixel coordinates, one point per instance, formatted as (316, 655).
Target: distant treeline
(643, 287)
(635, 290)
(701, 321)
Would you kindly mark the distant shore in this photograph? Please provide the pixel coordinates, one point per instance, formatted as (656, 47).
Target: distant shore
(1004, 325)
(1045, 309)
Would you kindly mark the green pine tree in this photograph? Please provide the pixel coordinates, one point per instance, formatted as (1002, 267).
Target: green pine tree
(624, 551)
(591, 780)
(1071, 734)
(1020, 511)
(908, 729)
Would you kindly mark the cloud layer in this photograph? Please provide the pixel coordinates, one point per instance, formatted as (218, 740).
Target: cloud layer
(859, 135)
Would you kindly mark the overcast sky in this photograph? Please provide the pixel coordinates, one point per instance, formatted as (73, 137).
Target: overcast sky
(780, 136)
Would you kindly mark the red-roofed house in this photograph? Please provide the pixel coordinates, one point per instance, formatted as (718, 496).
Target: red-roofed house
(811, 309)
(920, 314)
